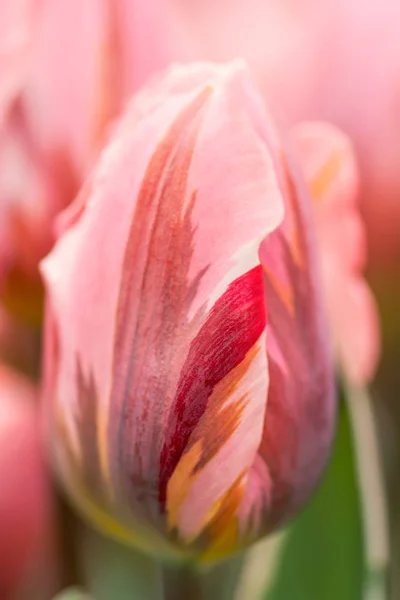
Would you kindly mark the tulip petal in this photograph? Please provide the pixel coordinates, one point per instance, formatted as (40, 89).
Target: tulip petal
(329, 166)
(73, 88)
(299, 361)
(222, 411)
(26, 518)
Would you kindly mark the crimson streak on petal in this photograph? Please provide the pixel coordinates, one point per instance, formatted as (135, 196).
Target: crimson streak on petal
(233, 326)
(152, 327)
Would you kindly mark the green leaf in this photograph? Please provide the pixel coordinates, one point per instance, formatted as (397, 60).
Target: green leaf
(322, 555)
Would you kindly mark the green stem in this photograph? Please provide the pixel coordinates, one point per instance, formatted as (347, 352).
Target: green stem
(115, 572)
(374, 509)
(193, 582)
(182, 582)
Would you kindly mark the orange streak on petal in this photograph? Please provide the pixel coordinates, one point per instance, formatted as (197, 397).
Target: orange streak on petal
(102, 442)
(179, 484)
(222, 417)
(214, 429)
(223, 545)
(295, 238)
(323, 177)
(224, 528)
(285, 292)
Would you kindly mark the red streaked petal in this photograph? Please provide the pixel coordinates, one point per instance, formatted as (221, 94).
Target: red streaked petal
(232, 328)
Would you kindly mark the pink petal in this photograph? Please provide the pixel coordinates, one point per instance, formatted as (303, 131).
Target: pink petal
(25, 511)
(300, 416)
(329, 168)
(65, 88)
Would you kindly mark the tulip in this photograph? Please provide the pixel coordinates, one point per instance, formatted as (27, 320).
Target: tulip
(25, 513)
(329, 167)
(188, 382)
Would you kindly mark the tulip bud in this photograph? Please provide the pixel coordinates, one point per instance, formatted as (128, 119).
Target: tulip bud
(188, 383)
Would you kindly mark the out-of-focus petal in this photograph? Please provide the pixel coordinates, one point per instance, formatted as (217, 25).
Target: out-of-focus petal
(56, 103)
(69, 77)
(330, 170)
(16, 24)
(301, 402)
(269, 34)
(341, 64)
(25, 512)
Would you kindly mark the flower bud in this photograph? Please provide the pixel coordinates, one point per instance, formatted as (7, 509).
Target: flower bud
(188, 384)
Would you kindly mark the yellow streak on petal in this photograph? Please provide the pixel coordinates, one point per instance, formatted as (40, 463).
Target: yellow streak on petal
(102, 445)
(180, 482)
(326, 173)
(225, 544)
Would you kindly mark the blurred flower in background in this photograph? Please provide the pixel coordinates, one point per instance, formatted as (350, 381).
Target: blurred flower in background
(330, 170)
(66, 70)
(330, 60)
(27, 542)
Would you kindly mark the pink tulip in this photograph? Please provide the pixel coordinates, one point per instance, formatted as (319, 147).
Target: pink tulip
(331, 174)
(188, 381)
(24, 493)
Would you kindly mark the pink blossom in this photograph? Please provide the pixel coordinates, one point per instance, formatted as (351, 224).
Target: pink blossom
(188, 382)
